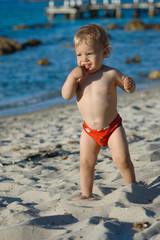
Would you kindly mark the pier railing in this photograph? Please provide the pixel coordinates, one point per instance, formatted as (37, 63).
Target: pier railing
(75, 8)
(74, 3)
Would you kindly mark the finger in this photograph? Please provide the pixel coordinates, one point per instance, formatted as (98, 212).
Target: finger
(123, 77)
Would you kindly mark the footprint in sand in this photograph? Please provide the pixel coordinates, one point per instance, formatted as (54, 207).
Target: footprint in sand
(155, 156)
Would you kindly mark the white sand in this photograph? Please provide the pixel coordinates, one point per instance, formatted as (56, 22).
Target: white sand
(39, 174)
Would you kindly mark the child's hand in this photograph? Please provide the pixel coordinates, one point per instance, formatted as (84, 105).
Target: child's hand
(127, 83)
(79, 72)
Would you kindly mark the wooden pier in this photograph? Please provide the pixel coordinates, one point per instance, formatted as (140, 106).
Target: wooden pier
(73, 9)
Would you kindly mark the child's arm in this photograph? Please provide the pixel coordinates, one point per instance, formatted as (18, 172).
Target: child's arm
(70, 86)
(125, 83)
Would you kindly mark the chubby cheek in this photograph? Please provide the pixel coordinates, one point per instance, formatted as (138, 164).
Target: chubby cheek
(78, 62)
(94, 62)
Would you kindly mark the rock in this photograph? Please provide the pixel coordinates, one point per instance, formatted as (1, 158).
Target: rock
(32, 43)
(8, 45)
(64, 157)
(156, 27)
(19, 27)
(43, 62)
(141, 226)
(112, 26)
(128, 60)
(37, 26)
(135, 25)
(154, 74)
(135, 59)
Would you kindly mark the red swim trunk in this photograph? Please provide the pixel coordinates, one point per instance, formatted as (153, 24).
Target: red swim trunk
(102, 136)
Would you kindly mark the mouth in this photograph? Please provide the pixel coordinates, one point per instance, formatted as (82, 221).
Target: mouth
(87, 66)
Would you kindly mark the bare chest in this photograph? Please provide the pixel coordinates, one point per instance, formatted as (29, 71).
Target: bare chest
(95, 88)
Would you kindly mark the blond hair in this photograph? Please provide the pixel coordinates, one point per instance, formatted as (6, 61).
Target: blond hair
(92, 32)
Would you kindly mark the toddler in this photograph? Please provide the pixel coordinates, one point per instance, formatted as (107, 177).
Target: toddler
(95, 87)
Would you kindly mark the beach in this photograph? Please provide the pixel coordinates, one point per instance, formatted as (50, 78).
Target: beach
(39, 173)
(25, 85)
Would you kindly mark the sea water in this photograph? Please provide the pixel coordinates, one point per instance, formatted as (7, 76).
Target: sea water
(25, 86)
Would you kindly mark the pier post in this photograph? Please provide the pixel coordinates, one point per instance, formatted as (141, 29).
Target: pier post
(72, 16)
(151, 11)
(118, 12)
(136, 12)
(50, 17)
(93, 13)
(105, 2)
(79, 13)
(107, 13)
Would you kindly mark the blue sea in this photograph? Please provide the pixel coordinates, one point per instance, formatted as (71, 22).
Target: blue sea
(26, 86)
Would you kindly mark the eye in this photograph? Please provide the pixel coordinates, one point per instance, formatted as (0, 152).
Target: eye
(78, 55)
(90, 53)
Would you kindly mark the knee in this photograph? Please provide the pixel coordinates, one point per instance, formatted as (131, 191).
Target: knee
(87, 163)
(123, 163)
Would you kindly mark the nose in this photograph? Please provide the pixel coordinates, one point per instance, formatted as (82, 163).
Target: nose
(84, 58)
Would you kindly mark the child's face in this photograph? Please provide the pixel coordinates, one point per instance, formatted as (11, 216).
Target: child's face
(90, 55)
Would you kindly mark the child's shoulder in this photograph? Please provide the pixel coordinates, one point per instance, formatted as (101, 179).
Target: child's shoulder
(111, 70)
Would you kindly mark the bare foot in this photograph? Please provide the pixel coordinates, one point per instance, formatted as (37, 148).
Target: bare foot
(80, 198)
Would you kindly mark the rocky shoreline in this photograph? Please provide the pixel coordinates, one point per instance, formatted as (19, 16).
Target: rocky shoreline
(135, 25)
(8, 46)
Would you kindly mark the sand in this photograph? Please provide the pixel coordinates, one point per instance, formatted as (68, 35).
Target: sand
(39, 175)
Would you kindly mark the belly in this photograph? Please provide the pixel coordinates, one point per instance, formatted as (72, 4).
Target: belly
(97, 114)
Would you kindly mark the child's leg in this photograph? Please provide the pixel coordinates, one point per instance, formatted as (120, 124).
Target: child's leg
(89, 150)
(120, 154)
